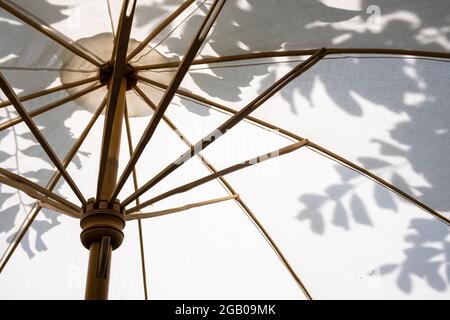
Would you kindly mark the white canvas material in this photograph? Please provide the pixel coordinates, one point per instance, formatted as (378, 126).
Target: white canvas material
(345, 236)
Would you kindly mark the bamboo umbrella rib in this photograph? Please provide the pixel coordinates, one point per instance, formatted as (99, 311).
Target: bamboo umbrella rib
(26, 224)
(51, 90)
(51, 205)
(380, 181)
(264, 233)
(145, 215)
(197, 42)
(119, 55)
(9, 92)
(230, 123)
(231, 169)
(207, 102)
(296, 53)
(33, 193)
(159, 29)
(402, 52)
(135, 184)
(38, 25)
(34, 113)
(184, 94)
(240, 202)
(50, 186)
(26, 185)
(111, 20)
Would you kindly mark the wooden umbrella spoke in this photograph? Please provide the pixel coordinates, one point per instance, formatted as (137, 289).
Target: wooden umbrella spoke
(145, 215)
(135, 184)
(62, 87)
(46, 204)
(213, 176)
(9, 92)
(239, 201)
(379, 180)
(116, 96)
(169, 94)
(12, 122)
(38, 25)
(230, 123)
(44, 200)
(50, 186)
(297, 53)
(33, 189)
(159, 29)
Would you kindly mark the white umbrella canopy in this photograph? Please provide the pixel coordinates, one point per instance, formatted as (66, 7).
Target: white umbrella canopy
(359, 210)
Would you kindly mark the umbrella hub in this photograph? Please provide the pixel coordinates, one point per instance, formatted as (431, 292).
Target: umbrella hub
(130, 74)
(100, 221)
(75, 68)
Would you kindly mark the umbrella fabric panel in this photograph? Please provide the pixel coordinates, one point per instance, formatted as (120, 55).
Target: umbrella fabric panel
(75, 19)
(213, 252)
(388, 115)
(126, 269)
(165, 147)
(192, 170)
(351, 24)
(397, 106)
(190, 118)
(233, 83)
(267, 25)
(15, 206)
(34, 50)
(27, 276)
(385, 113)
(346, 237)
(84, 167)
(56, 245)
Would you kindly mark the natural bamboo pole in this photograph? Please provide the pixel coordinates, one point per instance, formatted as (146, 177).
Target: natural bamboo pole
(117, 86)
(100, 252)
(102, 226)
(111, 164)
(298, 53)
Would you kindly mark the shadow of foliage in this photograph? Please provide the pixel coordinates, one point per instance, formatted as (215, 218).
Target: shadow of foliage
(292, 26)
(43, 67)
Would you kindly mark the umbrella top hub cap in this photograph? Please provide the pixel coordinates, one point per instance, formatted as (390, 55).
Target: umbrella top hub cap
(101, 46)
(130, 74)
